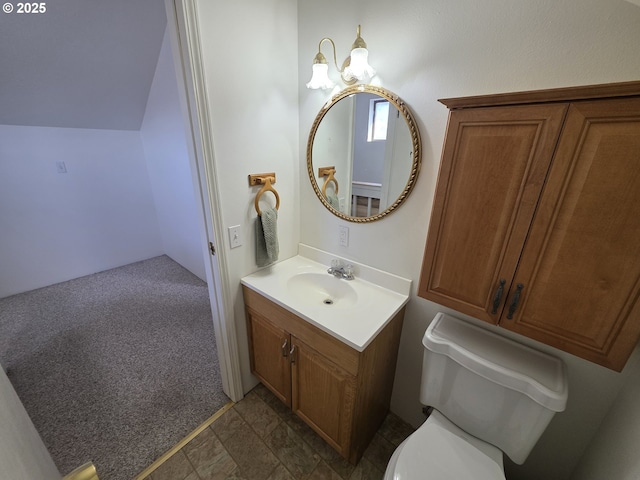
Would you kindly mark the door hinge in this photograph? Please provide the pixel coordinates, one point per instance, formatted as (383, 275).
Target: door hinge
(212, 248)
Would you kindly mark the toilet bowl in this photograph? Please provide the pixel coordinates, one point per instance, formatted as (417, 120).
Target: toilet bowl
(490, 396)
(439, 450)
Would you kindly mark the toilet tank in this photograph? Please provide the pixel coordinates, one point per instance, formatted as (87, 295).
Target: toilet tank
(492, 387)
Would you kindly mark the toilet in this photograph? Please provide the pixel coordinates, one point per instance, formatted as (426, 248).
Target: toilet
(489, 395)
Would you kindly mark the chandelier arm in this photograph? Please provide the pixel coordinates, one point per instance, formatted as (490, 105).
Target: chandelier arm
(335, 61)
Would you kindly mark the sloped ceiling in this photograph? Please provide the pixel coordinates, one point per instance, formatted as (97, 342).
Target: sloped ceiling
(81, 64)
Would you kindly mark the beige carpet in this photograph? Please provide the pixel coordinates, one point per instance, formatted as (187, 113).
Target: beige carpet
(115, 367)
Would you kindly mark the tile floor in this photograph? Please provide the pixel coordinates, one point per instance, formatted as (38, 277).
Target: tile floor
(259, 438)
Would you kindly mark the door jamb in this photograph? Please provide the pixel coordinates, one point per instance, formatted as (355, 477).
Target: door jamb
(182, 24)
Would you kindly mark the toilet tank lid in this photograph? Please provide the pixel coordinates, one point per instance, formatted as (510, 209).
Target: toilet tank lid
(538, 375)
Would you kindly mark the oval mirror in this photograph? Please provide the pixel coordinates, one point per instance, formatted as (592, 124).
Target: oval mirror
(363, 153)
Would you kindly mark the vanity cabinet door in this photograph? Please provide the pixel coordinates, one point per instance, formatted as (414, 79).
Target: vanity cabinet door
(493, 168)
(269, 354)
(323, 395)
(580, 267)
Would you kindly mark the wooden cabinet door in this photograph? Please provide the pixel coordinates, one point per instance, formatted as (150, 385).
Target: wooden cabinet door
(580, 267)
(493, 168)
(269, 348)
(323, 395)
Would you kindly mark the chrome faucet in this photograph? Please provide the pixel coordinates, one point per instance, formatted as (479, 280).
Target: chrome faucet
(341, 271)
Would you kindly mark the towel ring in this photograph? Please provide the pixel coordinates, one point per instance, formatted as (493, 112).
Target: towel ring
(330, 178)
(267, 188)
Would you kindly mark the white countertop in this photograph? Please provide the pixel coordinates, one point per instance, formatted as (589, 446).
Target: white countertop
(361, 307)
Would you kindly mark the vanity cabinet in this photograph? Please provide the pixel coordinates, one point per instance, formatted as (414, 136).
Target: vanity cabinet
(536, 218)
(341, 393)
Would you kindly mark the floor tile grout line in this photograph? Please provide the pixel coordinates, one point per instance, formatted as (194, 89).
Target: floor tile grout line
(259, 438)
(195, 470)
(286, 424)
(262, 439)
(281, 420)
(225, 447)
(177, 447)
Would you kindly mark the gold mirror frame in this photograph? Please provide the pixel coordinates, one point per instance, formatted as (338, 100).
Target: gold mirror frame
(415, 139)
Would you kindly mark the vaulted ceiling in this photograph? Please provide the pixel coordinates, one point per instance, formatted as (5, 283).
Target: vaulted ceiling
(81, 63)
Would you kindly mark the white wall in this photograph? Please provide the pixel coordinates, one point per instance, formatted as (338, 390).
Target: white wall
(165, 148)
(23, 455)
(613, 452)
(425, 50)
(58, 226)
(249, 54)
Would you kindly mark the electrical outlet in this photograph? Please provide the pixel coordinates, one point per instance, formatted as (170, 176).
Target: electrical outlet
(343, 236)
(235, 240)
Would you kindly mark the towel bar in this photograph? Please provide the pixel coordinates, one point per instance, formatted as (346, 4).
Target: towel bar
(328, 172)
(265, 179)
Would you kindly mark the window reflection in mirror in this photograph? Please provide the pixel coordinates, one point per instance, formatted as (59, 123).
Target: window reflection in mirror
(378, 118)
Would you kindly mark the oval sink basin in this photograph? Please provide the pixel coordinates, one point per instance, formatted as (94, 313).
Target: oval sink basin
(322, 289)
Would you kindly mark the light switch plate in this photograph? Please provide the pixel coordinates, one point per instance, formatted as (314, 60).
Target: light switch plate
(235, 239)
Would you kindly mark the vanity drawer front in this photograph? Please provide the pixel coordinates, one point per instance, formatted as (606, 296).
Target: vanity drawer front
(332, 348)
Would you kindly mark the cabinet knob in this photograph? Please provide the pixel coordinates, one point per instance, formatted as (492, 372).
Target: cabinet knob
(514, 302)
(498, 296)
(285, 350)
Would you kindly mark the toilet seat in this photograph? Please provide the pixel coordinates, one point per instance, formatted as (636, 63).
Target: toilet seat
(439, 450)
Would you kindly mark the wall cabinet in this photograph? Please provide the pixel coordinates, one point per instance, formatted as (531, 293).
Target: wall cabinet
(536, 217)
(341, 393)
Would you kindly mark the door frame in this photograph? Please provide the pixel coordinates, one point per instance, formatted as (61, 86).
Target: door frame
(182, 26)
